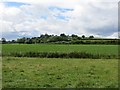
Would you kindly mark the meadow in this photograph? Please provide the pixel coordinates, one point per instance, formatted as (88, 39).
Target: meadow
(104, 49)
(37, 72)
(93, 49)
(59, 73)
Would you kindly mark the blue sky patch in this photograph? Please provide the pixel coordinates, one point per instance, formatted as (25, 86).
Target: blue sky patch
(14, 4)
(44, 17)
(61, 17)
(63, 10)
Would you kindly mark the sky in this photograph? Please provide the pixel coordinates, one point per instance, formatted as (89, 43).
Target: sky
(30, 18)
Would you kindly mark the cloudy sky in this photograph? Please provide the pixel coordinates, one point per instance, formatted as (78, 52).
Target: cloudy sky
(29, 18)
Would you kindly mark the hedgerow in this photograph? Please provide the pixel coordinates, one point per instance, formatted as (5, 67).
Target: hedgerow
(61, 55)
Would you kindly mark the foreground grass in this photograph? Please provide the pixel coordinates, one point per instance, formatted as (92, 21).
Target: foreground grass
(59, 73)
(0, 72)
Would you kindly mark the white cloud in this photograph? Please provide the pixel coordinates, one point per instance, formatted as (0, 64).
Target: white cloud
(12, 11)
(48, 1)
(88, 17)
(114, 35)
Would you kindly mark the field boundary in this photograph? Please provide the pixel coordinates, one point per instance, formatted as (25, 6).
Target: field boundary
(62, 55)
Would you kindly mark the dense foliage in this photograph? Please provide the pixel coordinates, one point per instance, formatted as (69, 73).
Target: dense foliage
(63, 39)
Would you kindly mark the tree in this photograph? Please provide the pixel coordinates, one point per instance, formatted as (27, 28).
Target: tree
(83, 36)
(13, 41)
(34, 40)
(3, 40)
(21, 40)
(28, 41)
(62, 35)
(46, 35)
(79, 38)
(74, 36)
(91, 37)
(42, 36)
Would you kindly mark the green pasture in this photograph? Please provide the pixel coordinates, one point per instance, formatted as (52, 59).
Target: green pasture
(19, 72)
(59, 73)
(94, 49)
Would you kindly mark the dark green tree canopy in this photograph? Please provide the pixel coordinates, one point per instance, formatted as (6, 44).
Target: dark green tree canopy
(62, 39)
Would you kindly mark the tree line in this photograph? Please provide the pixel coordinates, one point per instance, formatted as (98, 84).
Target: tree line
(62, 39)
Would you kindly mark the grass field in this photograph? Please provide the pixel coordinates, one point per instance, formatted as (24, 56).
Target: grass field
(23, 72)
(65, 73)
(96, 49)
(0, 72)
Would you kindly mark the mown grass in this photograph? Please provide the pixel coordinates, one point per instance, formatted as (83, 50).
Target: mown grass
(59, 73)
